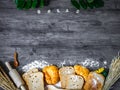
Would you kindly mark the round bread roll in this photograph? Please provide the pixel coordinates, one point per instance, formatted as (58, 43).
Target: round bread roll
(51, 74)
(82, 71)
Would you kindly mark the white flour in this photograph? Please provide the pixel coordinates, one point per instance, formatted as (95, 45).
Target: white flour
(89, 62)
(35, 64)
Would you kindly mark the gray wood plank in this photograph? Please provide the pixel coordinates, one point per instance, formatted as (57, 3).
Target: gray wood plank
(87, 28)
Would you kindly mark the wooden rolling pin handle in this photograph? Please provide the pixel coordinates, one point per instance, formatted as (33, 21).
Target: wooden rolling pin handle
(15, 77)
(8, 66)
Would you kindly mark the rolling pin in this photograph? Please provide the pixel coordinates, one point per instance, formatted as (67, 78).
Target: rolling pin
(16, 77)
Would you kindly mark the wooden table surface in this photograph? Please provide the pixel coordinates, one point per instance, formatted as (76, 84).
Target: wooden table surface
(60, 36)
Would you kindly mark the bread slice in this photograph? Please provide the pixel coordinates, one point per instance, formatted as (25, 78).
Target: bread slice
(63, 72)
(66, 70)
(26, 75)
(74, 82)
(51, 87)
(35, 81)
(30, 72)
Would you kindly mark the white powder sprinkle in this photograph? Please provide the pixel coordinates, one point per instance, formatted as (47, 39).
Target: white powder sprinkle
(89, 62)
(35, 64)
(62, 63)
(105, 62)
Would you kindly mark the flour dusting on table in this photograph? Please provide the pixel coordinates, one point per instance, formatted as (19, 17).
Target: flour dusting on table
(34, 64)
(88, 62)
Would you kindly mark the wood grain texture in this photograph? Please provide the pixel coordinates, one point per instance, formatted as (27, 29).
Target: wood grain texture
(57, 37)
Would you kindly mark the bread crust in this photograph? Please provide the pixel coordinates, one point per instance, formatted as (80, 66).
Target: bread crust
(94, 81)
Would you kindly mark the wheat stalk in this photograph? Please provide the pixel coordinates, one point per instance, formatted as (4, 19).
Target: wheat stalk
(5, 81)
(114, 73)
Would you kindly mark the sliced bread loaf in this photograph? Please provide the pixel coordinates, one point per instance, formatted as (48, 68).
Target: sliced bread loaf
(63, 72)
(35, 81)
(74, 82)
(27, 74)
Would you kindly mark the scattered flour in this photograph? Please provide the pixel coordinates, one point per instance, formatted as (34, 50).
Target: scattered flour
(88, 62)
(35, 64)
(105, 62)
